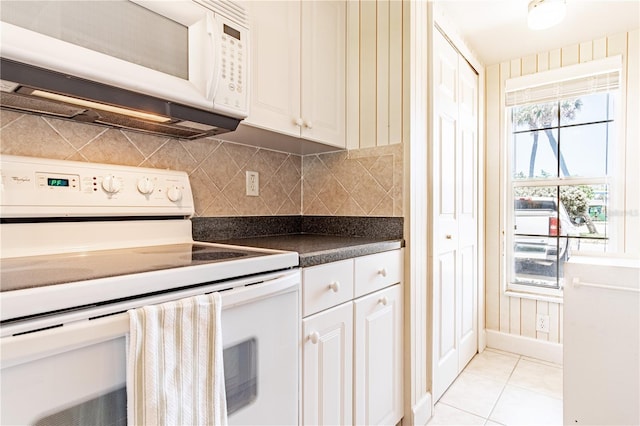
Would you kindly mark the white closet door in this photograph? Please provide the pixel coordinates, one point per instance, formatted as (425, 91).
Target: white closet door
(467, 212)
(454, 203)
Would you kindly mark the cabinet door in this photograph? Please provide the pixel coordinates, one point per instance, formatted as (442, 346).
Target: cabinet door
(323, 72)
(327, 358)
(275, 66)
(378, 358)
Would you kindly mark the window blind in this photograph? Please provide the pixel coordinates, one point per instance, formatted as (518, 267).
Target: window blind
(572, 81)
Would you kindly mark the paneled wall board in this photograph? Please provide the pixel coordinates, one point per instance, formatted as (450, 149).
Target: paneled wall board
(505, 317)
(395, 71)
(554, 322)
(527, 313)
(492, 221)
(600, 48)
(353, 73)
(382, 70)
(586, 51)
(570, 55)
(529, 65)
(515, 327)
(543, 61)
(515, 315)
(368, 74)
(378, 27)
(555, 59)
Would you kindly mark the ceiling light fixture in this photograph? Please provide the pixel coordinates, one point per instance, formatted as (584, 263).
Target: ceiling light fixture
(546, 13)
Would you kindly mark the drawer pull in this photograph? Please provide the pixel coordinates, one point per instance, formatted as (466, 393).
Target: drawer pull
(383, 301)
(383, 272)
(314, 337)
(448, 236)
(335, 286)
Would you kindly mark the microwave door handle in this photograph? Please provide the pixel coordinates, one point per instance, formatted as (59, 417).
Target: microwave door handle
(212, 78)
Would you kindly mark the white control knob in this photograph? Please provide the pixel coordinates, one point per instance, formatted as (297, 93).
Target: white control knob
(298, 121)
(335, 286)
(145, 186)
(174, 194)
(383, 301)
(314, 337)
(382, 272)
(308, 124)
(111, 184)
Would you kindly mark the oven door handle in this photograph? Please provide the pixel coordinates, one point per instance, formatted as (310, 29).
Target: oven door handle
(15, 350)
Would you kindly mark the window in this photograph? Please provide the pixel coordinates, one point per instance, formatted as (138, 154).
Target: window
(561, 158)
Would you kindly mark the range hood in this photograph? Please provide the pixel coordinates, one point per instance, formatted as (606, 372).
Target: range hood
(26, 88)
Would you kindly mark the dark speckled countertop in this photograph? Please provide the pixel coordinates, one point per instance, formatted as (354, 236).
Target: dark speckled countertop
(316, 239)
(316, 249)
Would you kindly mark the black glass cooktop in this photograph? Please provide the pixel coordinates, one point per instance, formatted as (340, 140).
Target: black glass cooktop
(37, 271)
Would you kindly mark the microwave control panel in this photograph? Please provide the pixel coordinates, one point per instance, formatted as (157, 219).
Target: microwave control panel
(232, 93)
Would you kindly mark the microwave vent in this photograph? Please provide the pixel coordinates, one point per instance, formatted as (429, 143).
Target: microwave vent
(230, 9)
(20, 82)
(24, 103)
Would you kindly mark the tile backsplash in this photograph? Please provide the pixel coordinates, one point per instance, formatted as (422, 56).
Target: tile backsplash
(365, 182)
(362, 182)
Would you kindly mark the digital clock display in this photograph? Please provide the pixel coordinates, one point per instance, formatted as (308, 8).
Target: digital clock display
(231, 31)
(57, 182)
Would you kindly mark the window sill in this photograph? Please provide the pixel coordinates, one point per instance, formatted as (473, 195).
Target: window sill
(542, 295)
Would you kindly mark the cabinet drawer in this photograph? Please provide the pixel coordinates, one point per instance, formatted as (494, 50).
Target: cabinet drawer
(327, 285)
(377, 271)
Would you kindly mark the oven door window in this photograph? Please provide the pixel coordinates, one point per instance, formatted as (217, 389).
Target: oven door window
(110, 409)
(106, 410)
(241, 374)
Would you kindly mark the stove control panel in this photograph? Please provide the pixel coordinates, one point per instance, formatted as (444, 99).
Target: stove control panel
(36, 187)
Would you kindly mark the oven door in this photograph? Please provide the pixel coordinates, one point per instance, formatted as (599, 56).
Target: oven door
(76, 374)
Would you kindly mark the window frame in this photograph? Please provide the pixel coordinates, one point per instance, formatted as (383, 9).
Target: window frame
(614, 178)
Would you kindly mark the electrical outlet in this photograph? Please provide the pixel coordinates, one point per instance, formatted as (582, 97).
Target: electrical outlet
(253, 184)
(542, 323)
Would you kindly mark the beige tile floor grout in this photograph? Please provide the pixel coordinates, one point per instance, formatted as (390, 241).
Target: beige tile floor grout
(501, 388)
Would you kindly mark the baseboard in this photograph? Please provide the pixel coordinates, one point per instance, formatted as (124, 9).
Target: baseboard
(422, 411)
(539, 349)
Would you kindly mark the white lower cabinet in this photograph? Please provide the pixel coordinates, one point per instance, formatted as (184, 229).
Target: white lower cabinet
(352, 350)
(378, 358)
(327, 367)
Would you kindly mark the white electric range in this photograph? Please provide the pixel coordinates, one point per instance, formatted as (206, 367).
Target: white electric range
(80, 244)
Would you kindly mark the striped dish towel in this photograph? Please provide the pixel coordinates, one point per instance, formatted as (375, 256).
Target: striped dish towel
(175, 371)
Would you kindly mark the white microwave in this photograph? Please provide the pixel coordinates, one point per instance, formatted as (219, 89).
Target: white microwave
(189, 52)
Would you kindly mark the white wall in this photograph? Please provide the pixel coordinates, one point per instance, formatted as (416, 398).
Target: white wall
(513, 315)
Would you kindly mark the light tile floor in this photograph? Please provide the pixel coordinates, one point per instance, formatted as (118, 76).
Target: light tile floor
(501, 388)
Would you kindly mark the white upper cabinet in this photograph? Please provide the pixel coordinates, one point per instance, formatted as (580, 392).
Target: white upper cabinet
(298, 67)
(323, 71)
(275, 55)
